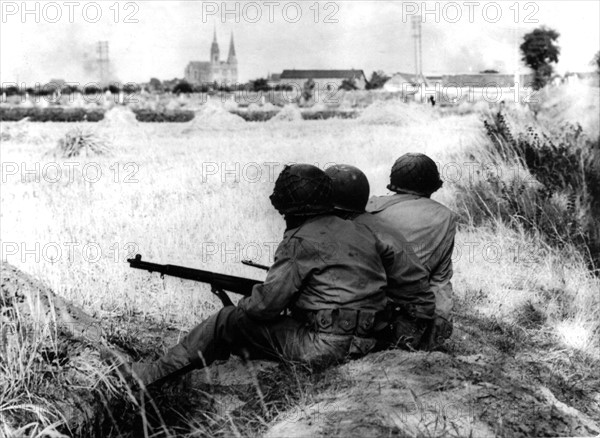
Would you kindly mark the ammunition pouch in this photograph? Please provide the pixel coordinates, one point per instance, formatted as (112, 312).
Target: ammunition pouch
(405, 329)
(341, 321)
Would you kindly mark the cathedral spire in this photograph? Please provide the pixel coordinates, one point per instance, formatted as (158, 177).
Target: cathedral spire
(231, 59)
(214, 49)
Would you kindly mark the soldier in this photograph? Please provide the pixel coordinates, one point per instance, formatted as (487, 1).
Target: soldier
(412, 302)
(327, 271)
(429, 227)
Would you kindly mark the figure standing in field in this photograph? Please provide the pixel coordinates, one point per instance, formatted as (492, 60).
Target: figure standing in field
(428, 226)
(328, 271)
(411, 300)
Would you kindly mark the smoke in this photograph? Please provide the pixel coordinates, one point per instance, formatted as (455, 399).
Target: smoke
(67, 53)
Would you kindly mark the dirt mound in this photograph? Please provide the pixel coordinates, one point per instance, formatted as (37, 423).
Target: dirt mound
(289, 113)
(432, 394)
(396, 113)
(213, 116)
(119, 117)
(50, 361)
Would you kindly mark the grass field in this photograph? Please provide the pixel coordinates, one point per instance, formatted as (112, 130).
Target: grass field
(200, 199)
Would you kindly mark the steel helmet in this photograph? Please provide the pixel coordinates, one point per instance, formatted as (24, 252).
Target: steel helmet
(415, 173)
(302, 190)
(350, 187)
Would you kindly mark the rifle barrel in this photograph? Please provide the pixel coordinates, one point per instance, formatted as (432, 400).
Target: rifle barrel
(231, 283)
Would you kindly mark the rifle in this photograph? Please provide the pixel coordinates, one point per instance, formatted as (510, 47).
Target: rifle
(255, 265)
(219, 283)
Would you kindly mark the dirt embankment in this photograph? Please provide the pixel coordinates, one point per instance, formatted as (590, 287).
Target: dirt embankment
(51, 373)
(491, 380)
(485, 394)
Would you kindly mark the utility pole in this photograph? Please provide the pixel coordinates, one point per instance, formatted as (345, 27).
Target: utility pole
(417, 36)
(103, 62)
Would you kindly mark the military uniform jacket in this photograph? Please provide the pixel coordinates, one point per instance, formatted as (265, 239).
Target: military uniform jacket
(326, 263)
(429, 228)
(409, 282)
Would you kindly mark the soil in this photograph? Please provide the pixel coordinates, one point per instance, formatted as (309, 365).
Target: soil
(490, 380)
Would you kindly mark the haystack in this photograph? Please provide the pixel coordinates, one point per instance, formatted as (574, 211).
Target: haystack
(213, 116)
(23, 132)
(119, 117)
(268, 107)
(289, 113)
(78, 141)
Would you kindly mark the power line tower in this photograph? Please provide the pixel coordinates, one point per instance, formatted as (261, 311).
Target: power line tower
(417, 36)
(103, 61)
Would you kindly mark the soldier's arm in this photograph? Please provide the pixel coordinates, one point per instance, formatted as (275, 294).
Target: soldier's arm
(283, 282)
(442, 274)
(408, 279)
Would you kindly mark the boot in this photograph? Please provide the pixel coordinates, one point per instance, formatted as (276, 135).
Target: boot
(175, 362)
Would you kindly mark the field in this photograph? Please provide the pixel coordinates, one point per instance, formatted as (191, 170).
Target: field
(198, 196)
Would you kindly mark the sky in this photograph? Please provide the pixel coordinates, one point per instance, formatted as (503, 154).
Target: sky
(158, 38)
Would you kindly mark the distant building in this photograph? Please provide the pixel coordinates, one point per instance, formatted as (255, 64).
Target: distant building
(481, 80)
(215, 70)
(400, 82)
(324, 79)
(274, 80)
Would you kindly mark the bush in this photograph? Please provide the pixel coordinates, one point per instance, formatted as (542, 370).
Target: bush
(329, 114)
(183, 87)
(53, 114)
(263, 116)
(255, 116)
(168, 116)
(552, 188)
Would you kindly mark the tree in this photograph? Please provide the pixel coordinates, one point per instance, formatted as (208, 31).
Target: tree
(260, 84)
(377, 81)
(539, 50)
(156, 85)
(596, 62)
(183, 87)
(348, 85)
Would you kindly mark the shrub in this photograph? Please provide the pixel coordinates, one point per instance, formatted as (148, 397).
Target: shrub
(552, 187)
(53, 114)
(329, 114)
(167, 116)
(255, 116)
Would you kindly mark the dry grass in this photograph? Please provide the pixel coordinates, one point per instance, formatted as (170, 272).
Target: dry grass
(197, 200)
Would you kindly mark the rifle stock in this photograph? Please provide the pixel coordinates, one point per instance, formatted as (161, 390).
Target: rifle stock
(218, 282)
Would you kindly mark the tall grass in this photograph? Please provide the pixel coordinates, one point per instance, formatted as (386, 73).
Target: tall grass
(550, 185)
(539, 188)
(172, 211)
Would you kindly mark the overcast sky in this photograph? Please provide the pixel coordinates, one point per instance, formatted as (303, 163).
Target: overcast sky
(369, 35)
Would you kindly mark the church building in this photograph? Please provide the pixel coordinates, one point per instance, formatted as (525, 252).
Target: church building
(215, 70)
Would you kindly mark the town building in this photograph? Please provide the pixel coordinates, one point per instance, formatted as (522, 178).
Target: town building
(215, 70)
(324, 79)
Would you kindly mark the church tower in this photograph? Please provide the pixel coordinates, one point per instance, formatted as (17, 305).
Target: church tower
(214, 50)
(232, 64)
(232, 59)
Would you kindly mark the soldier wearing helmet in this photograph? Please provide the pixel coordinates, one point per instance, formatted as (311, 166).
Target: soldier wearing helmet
(428, 226)
(411, 301)
(327, 271)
